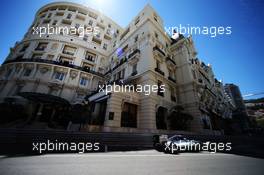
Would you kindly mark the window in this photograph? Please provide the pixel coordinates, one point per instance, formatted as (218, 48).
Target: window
(119, 75)
(54, 22)
(134, 68)
(96, 40)
(24, 47)
(158, 64)
(136, 38)
(19, 57)
(194, 75)
(85, 37)
(160, 91)
(66, 22)
(155, 17)
(129, 115)
(42, 46)
(69, 50)
(90, 56)
(59, 14)
(206, 122)
(77, 26)
(137, 20)
(50, 57)
(72, 9)
(156, 36)
(124, 33)
(80, 17)
(8, 73)
(90, 22)
(173, 98)
(66, 60)
(59, 76)
(111, 115)
(37, 56)
(83, 81)
(54, 46)
(27, 72)
(69, 16)
(93, 15)
(49, 15)
(171, 74)
(98, 35)
(46, 21)
(123, 73)
(105, 46)
(108, 31)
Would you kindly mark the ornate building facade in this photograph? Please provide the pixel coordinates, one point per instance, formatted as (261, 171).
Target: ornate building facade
(71, 66)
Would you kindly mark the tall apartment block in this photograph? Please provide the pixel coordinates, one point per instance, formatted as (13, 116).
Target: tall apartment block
(240, 112)
(70, 67)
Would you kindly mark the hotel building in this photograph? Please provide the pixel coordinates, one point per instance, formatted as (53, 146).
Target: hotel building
(72, 66)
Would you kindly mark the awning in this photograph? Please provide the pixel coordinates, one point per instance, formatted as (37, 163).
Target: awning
(44, 98)
(101, 98)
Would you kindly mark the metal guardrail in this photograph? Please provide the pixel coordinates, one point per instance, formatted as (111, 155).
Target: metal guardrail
(20, 139)
(18, 136)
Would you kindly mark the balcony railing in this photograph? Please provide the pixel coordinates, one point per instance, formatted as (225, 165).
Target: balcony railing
(134, 53)
(134, 73)
(160, 93)
(171, 60)
(55, 63)
(159, 50)
(40, 48)
(68, 52)
(172, 79)
(122, 61)
(89, 59)
(159, 71)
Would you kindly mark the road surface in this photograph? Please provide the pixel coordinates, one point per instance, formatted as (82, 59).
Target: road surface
(136, 162)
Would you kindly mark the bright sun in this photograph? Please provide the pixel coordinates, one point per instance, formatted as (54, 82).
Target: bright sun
(100, 5)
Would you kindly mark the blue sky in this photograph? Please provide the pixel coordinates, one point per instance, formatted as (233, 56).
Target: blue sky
(236, 58)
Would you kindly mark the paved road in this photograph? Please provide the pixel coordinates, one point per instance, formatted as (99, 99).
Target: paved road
(136, 162)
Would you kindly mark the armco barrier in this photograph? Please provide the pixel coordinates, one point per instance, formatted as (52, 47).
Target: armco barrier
(17, 140)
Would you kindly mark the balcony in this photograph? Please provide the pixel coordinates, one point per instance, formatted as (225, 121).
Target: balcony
(159, 71)
(55, 63)
(172, 79)
(134, 73)
(122, 61)
(169, 60)
(160, 93)
(157, 49)
(91, 59)
(97, 40)
(68, 52)
(40, 48)
(135, 52)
